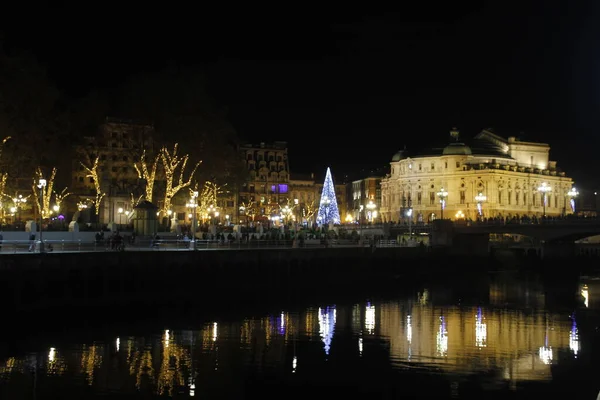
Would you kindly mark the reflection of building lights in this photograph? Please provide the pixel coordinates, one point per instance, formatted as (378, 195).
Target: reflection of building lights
(480, 330)
(52, 354)
(408, 329)
(167, 338)
(574, 338)
(192, 389)
(118, 341)
(327, 319)
(585, 294)
(282, 324)
(370, 318)
(360, 346)
(215, 332)
(545, 353)
(294, 364)
(442, 339)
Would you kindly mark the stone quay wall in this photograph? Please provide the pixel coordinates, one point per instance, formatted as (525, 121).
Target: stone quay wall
(56, 280)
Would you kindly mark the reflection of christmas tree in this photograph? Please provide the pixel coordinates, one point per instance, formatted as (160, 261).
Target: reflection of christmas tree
(328, 208)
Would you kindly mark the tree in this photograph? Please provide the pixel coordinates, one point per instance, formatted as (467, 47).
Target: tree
(328, 209)
(171, 163)
(147, 173)
(309, 210)
(92, 172)
(43, 202)
(60, 197)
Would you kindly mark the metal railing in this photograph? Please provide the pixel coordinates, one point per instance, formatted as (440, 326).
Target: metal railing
(76, 246)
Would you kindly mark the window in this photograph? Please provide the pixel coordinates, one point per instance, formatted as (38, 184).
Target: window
(499, 197)
(458, 164)
(114, 158)
(432, 166)
(91, 180)
(517, 198)
(446, 165)
(81, 179)
(125, 169)
(125, 158)
(524, 199)
(419, 198)
(103, 157)
(509, 197)
(462, 197)
(431, 198)
(273, 188)
(283, 188)
(420, 167)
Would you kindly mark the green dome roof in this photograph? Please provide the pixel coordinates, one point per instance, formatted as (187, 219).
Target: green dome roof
(457, 149)
(401, 155)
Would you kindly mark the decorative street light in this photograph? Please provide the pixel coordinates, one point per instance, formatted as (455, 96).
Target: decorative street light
(442, 194)
(573, 193)
(41, 185)
(409, 214)
(371, 207)
(120, 212)
(480, 199)
(193, 204)
(545, 189)
(459, 215)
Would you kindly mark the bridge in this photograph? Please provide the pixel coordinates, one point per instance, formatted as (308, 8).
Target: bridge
(550, 237)
(565, 230)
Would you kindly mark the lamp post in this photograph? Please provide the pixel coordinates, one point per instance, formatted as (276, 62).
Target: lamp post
(193, 204)
(480, 198)
(371, 207)
(120, 212)
(572, 194)
(442, 194)
(41, 185)
(409, 214)
(544, 188)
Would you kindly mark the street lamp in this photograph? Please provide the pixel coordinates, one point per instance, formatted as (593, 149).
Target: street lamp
(193, 204)
(41, 185)
(120, 211)
(544, 188)
(442, 194)
(480, 198)
(409, 214)
(573, 193)
(371, 207)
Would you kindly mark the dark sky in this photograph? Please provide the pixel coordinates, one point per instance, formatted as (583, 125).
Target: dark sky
(348, 89)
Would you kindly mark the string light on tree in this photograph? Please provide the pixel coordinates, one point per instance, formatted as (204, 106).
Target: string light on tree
(328, 208)
(92, 172)
(147, 173)
(59, 198)
(171, 162)
(43, 205)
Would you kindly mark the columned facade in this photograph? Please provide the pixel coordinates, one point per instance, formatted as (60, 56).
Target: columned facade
(491, 178)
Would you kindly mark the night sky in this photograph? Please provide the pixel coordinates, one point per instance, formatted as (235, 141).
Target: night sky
(346, 89)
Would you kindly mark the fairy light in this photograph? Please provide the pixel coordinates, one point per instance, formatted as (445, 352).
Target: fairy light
(44, 203)
(171, 162)
(93, 173)
(147, 173)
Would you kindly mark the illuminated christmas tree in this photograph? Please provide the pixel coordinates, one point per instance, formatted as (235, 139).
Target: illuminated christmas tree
(328, 208)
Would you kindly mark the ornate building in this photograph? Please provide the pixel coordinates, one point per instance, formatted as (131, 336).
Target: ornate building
(491, 177)
(365, 201)
(118, 143)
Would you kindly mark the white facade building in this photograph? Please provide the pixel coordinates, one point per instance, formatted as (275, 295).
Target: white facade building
(508, 173)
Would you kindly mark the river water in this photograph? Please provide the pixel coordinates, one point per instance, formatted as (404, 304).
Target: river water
(510, 337)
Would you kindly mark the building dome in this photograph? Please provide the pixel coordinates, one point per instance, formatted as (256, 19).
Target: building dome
(401, 155)
(457, 149)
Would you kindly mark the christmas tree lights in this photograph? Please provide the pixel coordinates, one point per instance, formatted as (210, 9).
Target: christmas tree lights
(92, 172)
(44, 204)
(171, 161)
(328, 208)
(148, 173)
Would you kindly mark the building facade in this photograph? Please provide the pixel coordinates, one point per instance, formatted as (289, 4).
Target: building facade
(118, 144)
(492, 177)
(365, 203)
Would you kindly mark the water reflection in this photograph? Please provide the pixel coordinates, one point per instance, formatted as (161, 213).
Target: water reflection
(510, 344)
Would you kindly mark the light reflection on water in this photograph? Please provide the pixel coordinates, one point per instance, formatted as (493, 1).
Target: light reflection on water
(516, 345)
